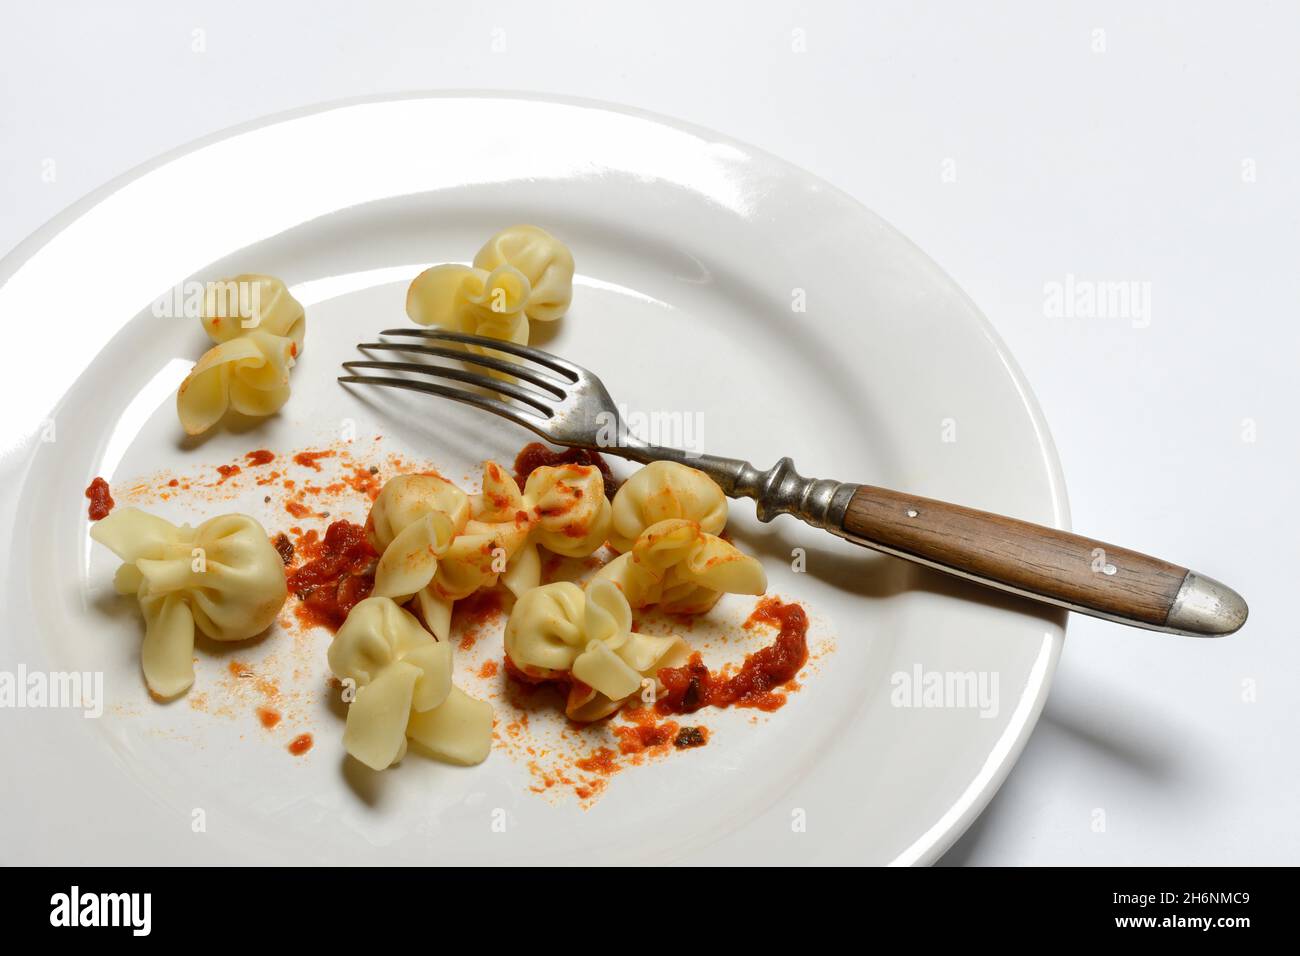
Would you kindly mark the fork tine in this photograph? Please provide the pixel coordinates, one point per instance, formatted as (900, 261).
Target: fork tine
(566, 368)
(516, 415)
(460, 375)
(536, 377)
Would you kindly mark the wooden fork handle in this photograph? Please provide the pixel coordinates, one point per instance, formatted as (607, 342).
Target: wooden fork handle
(1043, 563)
(1031, 560)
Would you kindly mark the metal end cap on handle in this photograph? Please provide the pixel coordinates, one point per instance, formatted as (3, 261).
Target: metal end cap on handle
(1205, 607)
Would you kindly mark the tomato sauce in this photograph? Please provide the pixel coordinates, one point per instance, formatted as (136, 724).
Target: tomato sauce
(689, 737)
(365, 480)
(258, 458)
(602, 760)
(339, 575)
(300, 744)
(226, 472)
(297, 509)
(535, 455)
(101, 502)
(694, 686)
(640, 737)
(475, 614)
(311, 459)
(284, 547)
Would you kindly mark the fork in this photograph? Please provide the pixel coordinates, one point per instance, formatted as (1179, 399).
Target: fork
(568, 405)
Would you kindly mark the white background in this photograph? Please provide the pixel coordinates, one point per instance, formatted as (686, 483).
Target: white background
(1017, 143)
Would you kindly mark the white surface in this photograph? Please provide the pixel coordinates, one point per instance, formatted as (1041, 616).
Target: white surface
(689, 245)
(1120, 165)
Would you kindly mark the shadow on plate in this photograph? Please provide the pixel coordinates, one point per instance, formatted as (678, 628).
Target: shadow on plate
(869, 574)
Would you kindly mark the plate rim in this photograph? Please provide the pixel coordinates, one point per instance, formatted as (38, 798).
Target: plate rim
(932, 845)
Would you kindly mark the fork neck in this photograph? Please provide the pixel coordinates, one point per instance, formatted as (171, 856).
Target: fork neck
(820, 502)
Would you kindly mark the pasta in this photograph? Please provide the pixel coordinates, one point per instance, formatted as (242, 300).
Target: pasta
(412, 525)
(682, 569)
(403, 686)
(465, 299)
(570, 515)
(439, 545)
(501, 512)
(545, 262)
(258, 340)
(223, 577)
(558, 630)
(662, 490)
(482, 550)
(521, 273)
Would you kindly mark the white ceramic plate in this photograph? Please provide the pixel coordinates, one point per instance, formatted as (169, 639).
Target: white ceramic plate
(695, 254)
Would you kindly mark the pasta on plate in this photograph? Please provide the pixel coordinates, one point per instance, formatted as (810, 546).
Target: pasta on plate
(223, 577)
(412, 525)
(403, 689)
(522, 273)
(440, 545)
(258, 328)
(662, 490)
(683, 569)
(558, 630)
(542, 259)
(571, 517)
(436, 544)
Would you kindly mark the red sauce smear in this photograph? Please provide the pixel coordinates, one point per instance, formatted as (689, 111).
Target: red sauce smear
(101, 502)
(689, 688)
(227, 471)
(689, 737)
(365, 480)
(603, 760)
(641, 737)
(260, 457)
(340, 574)
(264, 686)
(268, 717)
(311, 459)
(300, 744)
(475, 613)
(535, 455)
(647, 735)
(588, 790)
(284, 547)
(297, 509)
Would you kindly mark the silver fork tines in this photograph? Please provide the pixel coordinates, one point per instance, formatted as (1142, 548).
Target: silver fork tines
(518, 393)
(519, 416)
(571, 372)
(567, 401)
(578, 411)
(533, 376)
